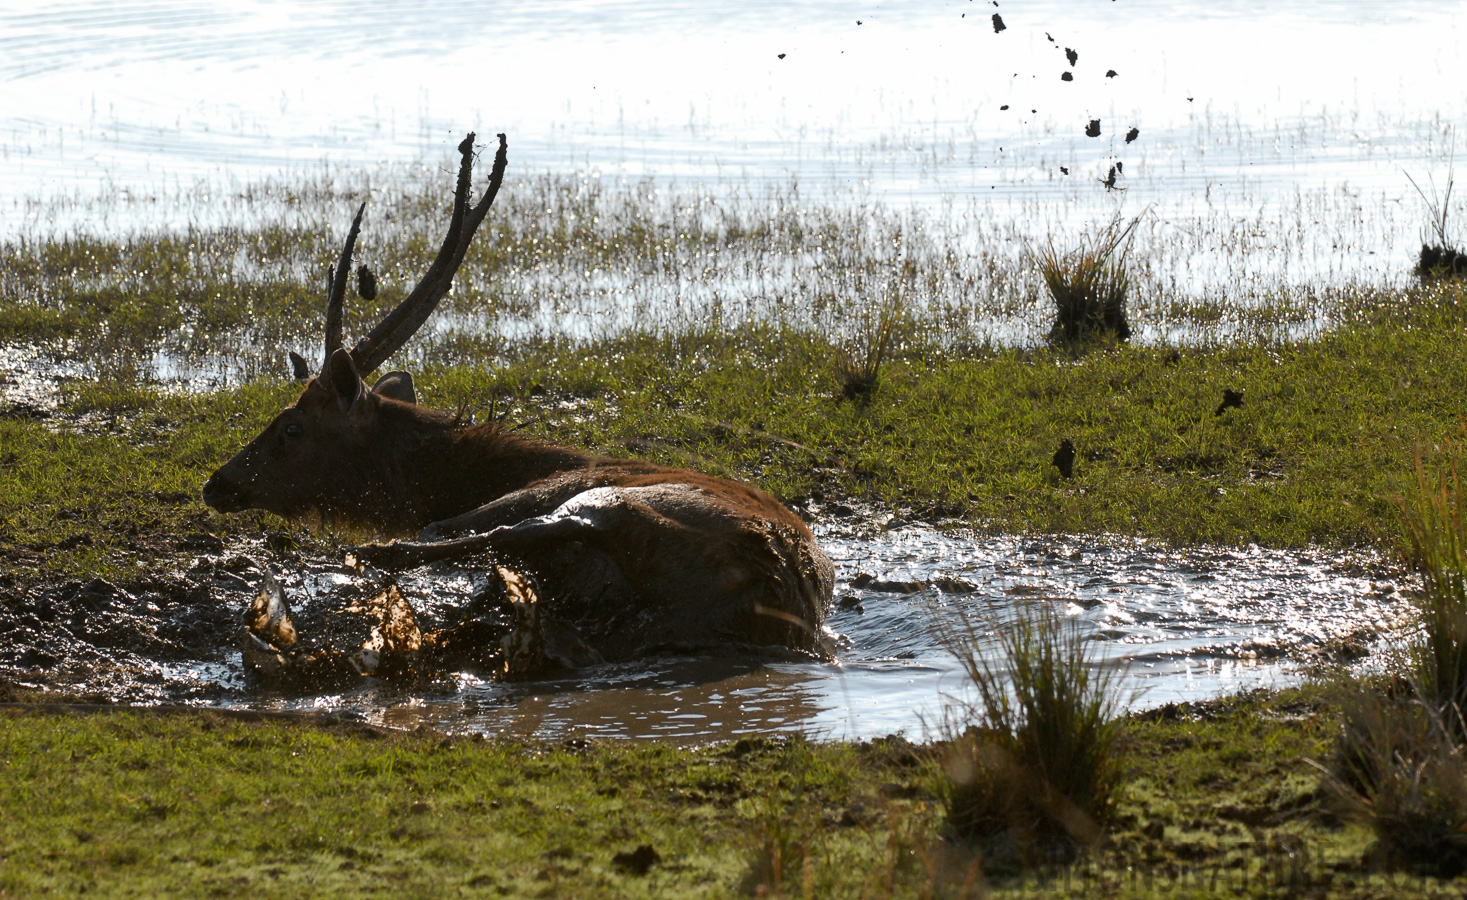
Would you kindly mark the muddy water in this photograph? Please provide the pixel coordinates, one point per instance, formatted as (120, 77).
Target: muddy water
(1180, 624)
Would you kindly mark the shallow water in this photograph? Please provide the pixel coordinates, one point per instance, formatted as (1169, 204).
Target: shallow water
(1181, 625)
(1178, 625)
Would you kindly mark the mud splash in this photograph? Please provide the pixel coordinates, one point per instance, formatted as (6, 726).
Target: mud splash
(1185, 624)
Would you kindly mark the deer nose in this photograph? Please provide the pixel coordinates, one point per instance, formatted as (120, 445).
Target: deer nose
(222, 494)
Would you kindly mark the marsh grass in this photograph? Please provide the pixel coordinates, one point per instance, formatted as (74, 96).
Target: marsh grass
(1440, 259)
(1035, 772)
(858, 360)
(589, 260)
(1400, 761)
(1090, 285)
(1435, 547)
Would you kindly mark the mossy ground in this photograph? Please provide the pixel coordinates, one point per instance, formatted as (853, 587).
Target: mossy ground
(1218, 799)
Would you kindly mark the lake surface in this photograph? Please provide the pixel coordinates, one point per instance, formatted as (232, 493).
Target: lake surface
(1272, 139)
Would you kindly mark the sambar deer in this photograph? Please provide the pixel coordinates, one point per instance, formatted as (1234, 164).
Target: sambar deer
(636, 557)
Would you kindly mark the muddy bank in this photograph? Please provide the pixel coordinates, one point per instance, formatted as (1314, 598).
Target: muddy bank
(1186, 624)
(182, 637)
(167, 638)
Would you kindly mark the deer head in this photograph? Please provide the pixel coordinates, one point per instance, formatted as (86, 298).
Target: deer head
(339, 449)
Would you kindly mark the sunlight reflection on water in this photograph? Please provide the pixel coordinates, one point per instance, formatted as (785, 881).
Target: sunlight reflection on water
(1243, 110)
(1183, 624)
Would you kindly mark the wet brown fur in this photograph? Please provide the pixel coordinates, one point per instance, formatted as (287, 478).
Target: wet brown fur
(633, 554)
(712, 560)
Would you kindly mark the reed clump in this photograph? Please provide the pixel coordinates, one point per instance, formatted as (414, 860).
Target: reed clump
(858, 361)
(1400, 761)
(1034, 775)
(1438, 258)
(1089, 285)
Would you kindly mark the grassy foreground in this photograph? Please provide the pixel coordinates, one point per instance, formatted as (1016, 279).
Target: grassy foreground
(1217, 799)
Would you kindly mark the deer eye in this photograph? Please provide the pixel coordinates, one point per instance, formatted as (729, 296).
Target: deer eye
(293, 430)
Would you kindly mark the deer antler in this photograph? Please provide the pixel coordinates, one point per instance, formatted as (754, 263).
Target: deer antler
(336, 296)
(404, 321)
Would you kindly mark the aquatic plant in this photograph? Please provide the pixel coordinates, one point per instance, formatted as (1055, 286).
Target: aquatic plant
(858, 362)
(1035, 771)
(1435, 547)
(1439, 259)
(1089, 285)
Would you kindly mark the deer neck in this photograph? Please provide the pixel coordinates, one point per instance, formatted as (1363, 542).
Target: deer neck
(461, 469)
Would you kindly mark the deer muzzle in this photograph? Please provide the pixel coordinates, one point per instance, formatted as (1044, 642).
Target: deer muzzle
(224, 495)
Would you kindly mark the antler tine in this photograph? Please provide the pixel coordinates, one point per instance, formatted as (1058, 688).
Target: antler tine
(404, 321)
(336, 296)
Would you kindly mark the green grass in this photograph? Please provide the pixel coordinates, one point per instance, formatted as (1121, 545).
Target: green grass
(130, 804)
(1324, 443)
(194, 804)
(1035, 767)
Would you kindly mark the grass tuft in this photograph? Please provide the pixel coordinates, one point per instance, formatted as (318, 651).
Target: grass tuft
(1090, 285)
(858, 362)
(1436, 549)
(1438, 258)
(1035, 773)
(1398, 767)
(1399, 760)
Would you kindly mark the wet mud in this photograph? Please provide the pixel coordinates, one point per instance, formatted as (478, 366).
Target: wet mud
(226, 628)
(436, 646)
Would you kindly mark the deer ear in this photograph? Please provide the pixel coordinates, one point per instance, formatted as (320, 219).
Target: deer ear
(342, 373)
(396, 386)
(300, 369)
